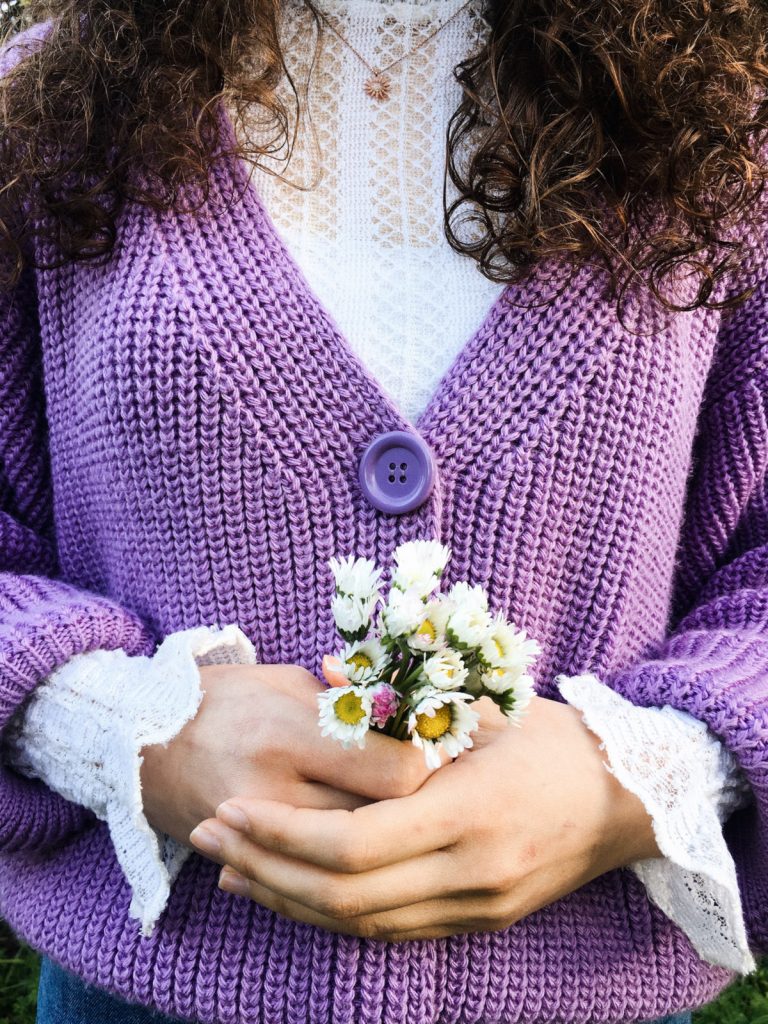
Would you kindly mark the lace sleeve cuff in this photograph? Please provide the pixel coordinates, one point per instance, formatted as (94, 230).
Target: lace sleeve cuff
(83, 729)
(689, 783)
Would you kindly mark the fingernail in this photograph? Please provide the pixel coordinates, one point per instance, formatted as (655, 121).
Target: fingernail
(205, 840)
(333, 676)
(230, 881)
(233, 817)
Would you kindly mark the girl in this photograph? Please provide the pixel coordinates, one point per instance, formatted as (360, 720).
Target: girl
(245, 330)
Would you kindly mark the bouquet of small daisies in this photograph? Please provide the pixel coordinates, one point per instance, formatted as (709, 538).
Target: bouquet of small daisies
(413, 661)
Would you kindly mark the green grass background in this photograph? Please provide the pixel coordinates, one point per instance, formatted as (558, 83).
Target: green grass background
(744, 1002)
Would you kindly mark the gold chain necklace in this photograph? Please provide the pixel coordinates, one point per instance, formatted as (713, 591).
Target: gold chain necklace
(379, 84)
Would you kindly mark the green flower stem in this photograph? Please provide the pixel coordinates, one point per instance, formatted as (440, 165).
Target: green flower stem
(394, 725)
(402, 729)
(412, 664)
(402, 674)
(405, 657)
(413, 676)
(396, 722)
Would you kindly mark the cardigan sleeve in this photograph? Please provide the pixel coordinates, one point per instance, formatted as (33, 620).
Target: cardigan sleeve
(84, 729)
(713, 661)
(44, 621)
(689, 784)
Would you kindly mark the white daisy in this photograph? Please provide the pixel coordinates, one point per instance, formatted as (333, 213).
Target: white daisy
(419, 565)
(352, 615)
(345, 714)
(507, 647)
(462, 595)
(441, 719)
(402, 613)
(362, 661)
(430, 633)
(356, 577)
(499, 680)
(511, 690)
(445, 670)
(469, 626)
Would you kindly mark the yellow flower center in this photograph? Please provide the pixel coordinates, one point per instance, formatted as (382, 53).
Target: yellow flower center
(360, 660)
(427, 630)
(499, 648)
(349, 709)
(434, 726)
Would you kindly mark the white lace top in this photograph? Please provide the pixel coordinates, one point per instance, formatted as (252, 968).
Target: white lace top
(365, 228)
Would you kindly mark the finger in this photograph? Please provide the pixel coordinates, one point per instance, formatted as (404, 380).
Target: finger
(385, 768)
(369, 837)
(421, 921)
(332, 671)
(323, 797)
(431, 876)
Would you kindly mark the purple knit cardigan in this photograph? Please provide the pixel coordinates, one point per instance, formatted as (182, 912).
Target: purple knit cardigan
(180, 431)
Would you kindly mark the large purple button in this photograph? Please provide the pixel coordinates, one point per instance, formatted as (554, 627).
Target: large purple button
(397, 472)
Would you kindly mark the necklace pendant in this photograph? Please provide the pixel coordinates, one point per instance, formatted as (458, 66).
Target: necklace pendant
(378, 86)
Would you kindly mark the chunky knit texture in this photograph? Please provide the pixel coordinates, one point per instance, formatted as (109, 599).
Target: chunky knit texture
(180, 431)
(366, 232)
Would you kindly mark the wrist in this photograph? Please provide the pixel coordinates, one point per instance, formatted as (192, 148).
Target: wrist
(149, 772)
(629, 834)
(636, 837)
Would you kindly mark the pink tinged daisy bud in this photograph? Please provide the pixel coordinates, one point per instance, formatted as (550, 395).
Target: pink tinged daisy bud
(385, 701)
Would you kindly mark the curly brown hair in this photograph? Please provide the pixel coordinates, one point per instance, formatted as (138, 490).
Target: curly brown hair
(582, 123)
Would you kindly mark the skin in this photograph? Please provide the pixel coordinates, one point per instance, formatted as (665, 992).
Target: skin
(256, 735)
(523, 818)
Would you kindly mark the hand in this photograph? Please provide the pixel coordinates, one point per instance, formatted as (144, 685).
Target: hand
(256, 735)
(518, 821)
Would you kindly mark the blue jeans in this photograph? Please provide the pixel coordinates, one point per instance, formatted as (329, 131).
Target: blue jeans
(64, 999)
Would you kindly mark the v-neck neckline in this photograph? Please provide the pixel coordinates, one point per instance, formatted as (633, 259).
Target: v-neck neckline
(391, 412)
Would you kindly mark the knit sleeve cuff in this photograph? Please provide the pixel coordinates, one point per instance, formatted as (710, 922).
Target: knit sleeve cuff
(689, 784)
(84, 728)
